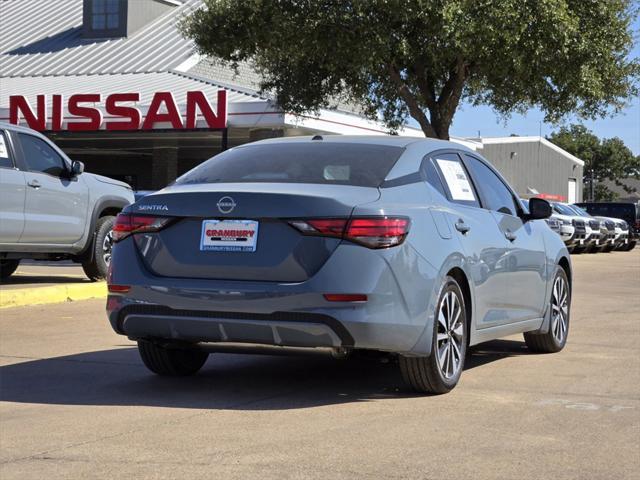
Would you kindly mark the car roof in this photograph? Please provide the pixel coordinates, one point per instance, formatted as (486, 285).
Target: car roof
(388, 140)
(18, 128)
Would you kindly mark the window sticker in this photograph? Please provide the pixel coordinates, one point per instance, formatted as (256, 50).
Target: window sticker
(4, 153)
(456, 179)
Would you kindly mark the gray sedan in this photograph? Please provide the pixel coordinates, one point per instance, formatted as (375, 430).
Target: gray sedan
(409, 246)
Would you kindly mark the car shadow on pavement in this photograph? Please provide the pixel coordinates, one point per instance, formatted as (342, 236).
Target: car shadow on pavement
(227, 381)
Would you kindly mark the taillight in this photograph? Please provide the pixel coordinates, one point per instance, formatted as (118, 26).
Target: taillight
(127, 224)
(326, 227)
(372, 232)
(378, 232)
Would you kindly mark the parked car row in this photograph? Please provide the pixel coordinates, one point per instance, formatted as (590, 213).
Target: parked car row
(596, 227)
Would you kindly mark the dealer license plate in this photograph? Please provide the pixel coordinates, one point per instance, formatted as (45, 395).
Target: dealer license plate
(581, 242)
(229, 235)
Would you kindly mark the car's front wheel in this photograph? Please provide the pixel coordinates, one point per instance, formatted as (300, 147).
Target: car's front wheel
(97, 267)
(8, 267)
(440, 372)
(171, 362)
(556, 338)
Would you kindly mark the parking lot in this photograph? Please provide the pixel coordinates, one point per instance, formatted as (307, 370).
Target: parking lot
(78, 403)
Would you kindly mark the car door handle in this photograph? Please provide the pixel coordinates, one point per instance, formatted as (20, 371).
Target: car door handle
(509, 235)
(462, 227)
(34, 184)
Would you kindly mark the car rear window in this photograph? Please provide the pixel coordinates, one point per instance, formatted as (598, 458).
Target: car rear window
(324, 163)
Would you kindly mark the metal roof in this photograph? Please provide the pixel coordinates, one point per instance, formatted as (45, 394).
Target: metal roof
(144, 83)
(44, 37)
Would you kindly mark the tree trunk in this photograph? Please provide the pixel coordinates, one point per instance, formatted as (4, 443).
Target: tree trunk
(440, 124)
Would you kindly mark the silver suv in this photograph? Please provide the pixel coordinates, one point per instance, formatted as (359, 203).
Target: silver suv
(50, 209)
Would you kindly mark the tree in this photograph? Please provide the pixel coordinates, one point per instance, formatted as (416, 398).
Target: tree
(421, 58)
(607, 159)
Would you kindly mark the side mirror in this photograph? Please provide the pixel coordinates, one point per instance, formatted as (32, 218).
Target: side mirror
(538, 209)
(76, 168)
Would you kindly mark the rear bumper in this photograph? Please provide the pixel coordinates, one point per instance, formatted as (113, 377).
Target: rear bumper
(393, 318)
(279, 328)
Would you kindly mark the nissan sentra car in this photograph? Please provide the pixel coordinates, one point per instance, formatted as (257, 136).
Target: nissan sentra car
(414, 247)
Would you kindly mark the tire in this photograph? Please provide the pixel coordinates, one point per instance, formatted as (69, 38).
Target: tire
(631, 246)
(7, 268)
(425, 374)
(577, 250)
(97, 267)
(608, 248)
(556, 338)
(169, 362)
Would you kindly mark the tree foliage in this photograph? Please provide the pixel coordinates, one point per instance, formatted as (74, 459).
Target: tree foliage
(606, 159)
(422, 58)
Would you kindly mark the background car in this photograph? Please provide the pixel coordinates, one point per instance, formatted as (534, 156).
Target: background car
(599, 235)
(50, 209)
(416, 247)
(591, 228)
(572, 228)
(629, 212)
(612, 233)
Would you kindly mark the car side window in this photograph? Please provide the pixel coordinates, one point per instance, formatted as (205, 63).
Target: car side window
(40, 157)
(495, 194)
(5, 157)
(456, 179)
(432, 176)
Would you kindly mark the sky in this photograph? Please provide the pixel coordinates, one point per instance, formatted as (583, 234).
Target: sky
(626, 125)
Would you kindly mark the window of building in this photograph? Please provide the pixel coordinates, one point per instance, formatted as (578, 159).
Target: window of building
(105, 14)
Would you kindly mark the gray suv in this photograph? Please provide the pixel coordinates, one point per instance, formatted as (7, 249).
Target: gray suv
(50, 209)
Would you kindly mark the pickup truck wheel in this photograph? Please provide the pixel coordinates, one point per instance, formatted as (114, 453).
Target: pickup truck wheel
(171, 362)
(7, 267)
(96, 268)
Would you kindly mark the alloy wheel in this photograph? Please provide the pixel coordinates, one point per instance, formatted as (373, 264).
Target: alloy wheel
(559, 310)
(450, 335)
(107, 246)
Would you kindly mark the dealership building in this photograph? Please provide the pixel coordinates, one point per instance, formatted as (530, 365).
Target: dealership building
(115, 85)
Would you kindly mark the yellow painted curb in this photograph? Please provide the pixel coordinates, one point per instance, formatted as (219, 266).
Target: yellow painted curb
(21, 297)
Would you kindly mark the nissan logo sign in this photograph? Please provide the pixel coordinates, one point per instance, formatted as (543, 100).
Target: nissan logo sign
(226, 204)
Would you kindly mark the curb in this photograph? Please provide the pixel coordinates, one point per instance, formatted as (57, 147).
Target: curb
(55, 294)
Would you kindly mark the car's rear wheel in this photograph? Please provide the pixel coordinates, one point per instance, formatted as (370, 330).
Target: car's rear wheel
(97, 267)
(8, 267)
(440, 372)
(556, 338)
(171, 362)
(631, 246)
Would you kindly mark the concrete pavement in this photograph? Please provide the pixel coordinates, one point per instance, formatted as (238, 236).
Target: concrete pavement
(76, 402)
